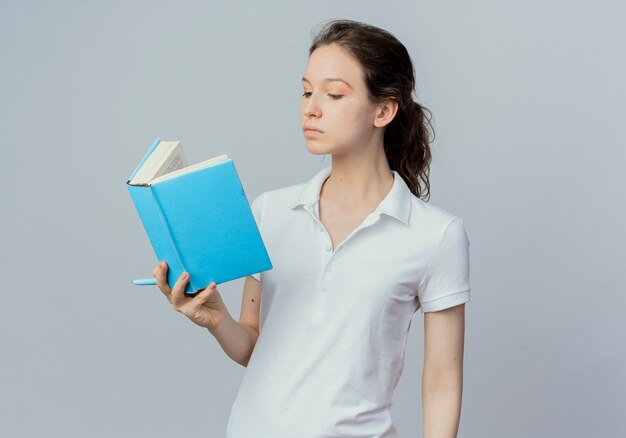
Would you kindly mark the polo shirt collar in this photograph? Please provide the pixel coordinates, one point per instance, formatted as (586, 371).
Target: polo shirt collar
(396, 204)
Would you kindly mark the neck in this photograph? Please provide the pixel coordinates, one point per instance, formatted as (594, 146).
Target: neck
(357, 178)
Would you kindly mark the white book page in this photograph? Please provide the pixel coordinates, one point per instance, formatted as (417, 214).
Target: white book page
(191, 168)
(175, 161)
(168, 156)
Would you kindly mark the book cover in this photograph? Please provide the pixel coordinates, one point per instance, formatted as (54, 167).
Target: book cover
(201, 222)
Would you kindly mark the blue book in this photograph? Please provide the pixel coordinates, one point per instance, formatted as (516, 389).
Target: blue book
(197, 217)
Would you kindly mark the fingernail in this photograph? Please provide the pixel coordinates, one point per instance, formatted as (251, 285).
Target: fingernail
(185, 276)
(161, 265)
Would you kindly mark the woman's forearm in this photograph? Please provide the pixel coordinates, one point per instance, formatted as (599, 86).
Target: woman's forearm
(442, 380)
(441, 403)
(237, 340)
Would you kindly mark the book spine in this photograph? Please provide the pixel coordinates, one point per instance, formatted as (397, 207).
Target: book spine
(145, 157)
(157, 229)
(177, 270)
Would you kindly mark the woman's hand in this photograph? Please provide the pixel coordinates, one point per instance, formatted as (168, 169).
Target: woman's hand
(206, 308)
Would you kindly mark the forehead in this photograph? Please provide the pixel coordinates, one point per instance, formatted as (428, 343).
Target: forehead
(332, 61)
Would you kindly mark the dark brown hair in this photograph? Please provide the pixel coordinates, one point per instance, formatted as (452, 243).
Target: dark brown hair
(388, 73)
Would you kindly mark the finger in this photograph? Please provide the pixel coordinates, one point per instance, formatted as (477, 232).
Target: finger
(192, 308)
(178, 291)
(204, 296)
(161, 278)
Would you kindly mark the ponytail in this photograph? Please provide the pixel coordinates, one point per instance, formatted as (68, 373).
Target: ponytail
(407, 147)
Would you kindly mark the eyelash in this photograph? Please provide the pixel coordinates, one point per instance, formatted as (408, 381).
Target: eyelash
(307, 94)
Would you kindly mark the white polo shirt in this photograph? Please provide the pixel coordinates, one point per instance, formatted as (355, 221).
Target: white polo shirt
(334, 324)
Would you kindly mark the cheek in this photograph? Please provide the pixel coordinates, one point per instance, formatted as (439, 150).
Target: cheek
(361, 117)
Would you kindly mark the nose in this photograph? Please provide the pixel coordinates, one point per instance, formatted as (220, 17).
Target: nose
(310, 107)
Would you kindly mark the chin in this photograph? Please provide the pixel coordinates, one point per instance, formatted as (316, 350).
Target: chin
(317, 148)
(316, 151)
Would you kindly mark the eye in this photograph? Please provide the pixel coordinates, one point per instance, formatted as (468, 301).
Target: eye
(306, 94)
(335, 96)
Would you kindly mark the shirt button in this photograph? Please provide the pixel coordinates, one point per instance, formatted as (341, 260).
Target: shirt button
(328, 247)
(324, 290)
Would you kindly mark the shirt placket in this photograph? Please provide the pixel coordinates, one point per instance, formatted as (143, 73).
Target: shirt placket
(328, 257)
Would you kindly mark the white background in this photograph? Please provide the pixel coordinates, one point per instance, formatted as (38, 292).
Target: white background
(528, 103)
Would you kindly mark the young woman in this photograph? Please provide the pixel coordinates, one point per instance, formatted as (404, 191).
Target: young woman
(356, 251)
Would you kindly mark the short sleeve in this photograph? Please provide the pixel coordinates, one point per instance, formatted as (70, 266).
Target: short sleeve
(257, 206)
(446, 282)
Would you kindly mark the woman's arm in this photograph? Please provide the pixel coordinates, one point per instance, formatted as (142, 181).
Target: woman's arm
(238, 339)
(207, 309)
(442, 378)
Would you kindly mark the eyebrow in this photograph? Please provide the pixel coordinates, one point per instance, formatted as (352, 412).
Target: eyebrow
(329, 80)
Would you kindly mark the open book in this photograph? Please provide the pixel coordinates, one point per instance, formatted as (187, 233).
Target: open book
(197, 217)
(167, 160)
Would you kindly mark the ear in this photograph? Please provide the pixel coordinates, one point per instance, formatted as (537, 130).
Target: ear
(386, 112)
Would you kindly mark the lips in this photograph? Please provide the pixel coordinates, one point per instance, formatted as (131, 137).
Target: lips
(311, 130)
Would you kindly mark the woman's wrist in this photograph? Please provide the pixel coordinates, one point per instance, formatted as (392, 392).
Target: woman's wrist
(219, 323)
(236, 339)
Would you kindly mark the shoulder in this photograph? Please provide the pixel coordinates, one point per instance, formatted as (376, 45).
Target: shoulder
(284, 196)
(434, 226)
(275, 202)
(426, 216)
